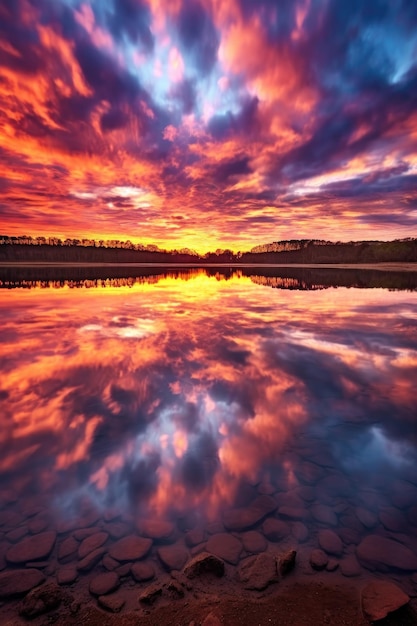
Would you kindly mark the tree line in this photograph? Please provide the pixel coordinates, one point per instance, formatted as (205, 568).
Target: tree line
(54, 250)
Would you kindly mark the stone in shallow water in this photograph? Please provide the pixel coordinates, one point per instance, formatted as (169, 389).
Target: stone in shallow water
(380, 597)
(68, 549)
(225, 546)
(324, 514)
(245, 518)
(19, 581)
(32, 548)
(393, 519)
(92, 543)
(318, 559)
(66, 575)
(299, 531)
(286, 562)
(330, 542)
(151, 594)
(380, 553)
(130, 548)
(86, 564)
(158, 530)
(202, 564)
(292, 513)
(308, 473)
(104, 583)
(258, 572)
(367, 518)
(44, 599)
(275, 529)
(349, 566)
(173, 557)
(113, 602)
(142, 572)
(194, 537)
(254, 542)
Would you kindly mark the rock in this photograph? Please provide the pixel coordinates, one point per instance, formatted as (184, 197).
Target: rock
(299, 531)
(117, 530)
(151, 594)
(380, 597)
(349, 536)
(92, 543)
(16, 534)
(114, 602)
(173, 557)
(194, 537)
(393, 519)
(330, 542)
(82, 533)
(349, 566)
(215, 527)
(332, 565)
(380, 553)
(142, 572)
(244, 518)
(225, 546)
(324, 514)
(308, 494)
(39, 523)
(308, 473)
(367, 518)
(275, 529)
(124, 569)
(110, 564)
(156, 529)
(19, 581)
(104, 583)
(292, 513)
(86, 564)
(286, 562)
(318, 559)
(258, 572)
(212, 620)
(403, 494)
(67, 549)
(202, 564)
(254, 542)
(43, 599)
(66, 575)
(130, 548)
(32, 548)
(174, 590)
(336, 485)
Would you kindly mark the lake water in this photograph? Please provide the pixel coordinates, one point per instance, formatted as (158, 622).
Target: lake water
(248, 410)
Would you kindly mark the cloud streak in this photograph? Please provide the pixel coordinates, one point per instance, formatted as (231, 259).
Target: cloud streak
(241, 123)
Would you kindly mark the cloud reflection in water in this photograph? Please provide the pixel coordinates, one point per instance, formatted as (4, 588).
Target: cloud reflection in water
(170, 397)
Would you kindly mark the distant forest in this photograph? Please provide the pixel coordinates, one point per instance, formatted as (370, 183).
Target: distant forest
(27, 249)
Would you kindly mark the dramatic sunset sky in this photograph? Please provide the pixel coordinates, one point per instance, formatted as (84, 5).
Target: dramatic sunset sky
(208, 123)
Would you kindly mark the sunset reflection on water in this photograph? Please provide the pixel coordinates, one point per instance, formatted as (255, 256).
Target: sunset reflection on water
(174, 396)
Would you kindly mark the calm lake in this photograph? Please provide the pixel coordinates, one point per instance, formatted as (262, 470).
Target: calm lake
(235, 411)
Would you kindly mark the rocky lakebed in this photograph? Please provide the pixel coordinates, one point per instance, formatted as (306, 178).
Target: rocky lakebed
(54, 569)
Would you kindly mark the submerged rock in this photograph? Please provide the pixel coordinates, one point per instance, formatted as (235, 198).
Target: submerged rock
(286, 562)
(130, 548)
(258, 572)
(225, 547)
(381, 553)
(104, 583)
(32, 548)
(44, 599)
(19, 581)
(202, 564)
(380, 597)
(173, 557)
(318, 559)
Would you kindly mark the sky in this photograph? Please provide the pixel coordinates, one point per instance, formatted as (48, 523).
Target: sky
(208, 123)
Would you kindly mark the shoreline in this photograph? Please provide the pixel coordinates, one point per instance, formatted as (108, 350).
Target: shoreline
(386, 267)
